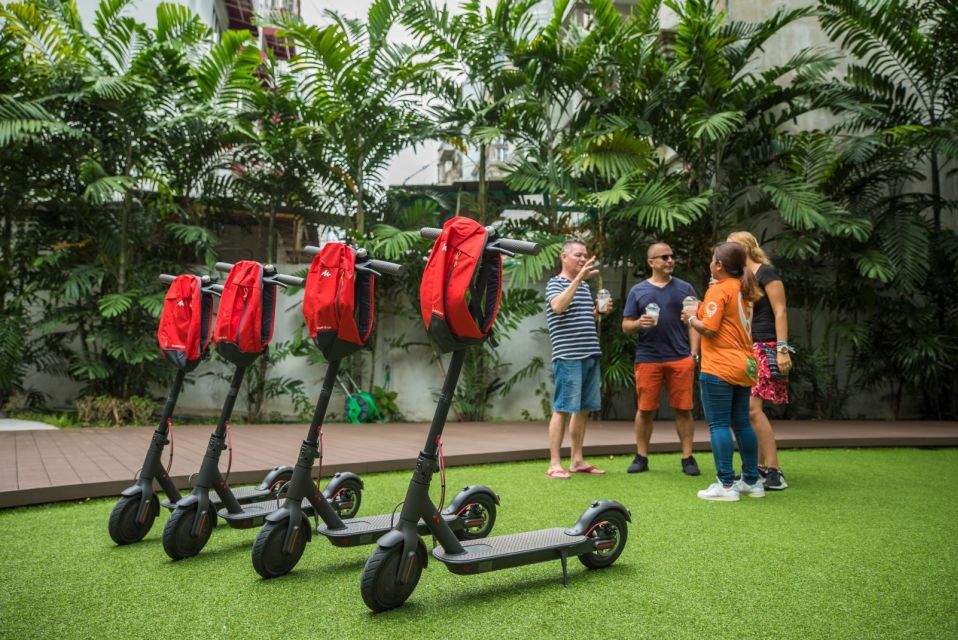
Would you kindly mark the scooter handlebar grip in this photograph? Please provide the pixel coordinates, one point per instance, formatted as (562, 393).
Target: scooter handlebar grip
(388, 268)
(292, 281)
(519, 246)
(311, 250)
(430, 233)
(223, 266)
(167, 278)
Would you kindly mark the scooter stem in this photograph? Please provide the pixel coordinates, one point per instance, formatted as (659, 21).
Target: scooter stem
(227, 411)
(445, 401)
(171, 401)
(323, 402)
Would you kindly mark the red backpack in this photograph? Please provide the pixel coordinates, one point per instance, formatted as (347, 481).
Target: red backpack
(338, 302)
(461, 286)
(244, 322)
(184, 332)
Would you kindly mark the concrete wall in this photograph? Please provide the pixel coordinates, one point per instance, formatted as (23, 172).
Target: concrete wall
(145, 11)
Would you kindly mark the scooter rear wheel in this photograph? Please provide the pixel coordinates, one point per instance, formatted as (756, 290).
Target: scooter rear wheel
(269, 560)
(610, 531)
(124, 529)
(379, 587)
(347, 499)
(482, 511)
(178, 541)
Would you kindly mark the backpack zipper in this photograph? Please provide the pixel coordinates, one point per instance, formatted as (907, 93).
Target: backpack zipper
(239, 327)
(445, 291)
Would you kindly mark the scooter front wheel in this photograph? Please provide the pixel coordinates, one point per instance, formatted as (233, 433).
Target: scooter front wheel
(124, 529)
(478, 517)
(269, 559)
(379, 586)
(609, 532)
(347, 499)
(178, 539)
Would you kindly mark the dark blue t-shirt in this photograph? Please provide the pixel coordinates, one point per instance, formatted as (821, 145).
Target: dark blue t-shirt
(669, 339)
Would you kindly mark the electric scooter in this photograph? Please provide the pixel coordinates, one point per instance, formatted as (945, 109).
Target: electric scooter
(282, 540)
(136, 510)
(194, 516)
(393, 570)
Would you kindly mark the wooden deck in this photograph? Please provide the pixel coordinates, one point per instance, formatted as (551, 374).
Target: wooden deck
(72, 464)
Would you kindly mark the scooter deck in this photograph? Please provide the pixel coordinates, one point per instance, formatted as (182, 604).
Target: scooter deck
(243, 495)
(359, 531)
(254, 514)
(502, 552)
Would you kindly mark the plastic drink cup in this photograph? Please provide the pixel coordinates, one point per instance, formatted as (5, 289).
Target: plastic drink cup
(690, 304)
(652, 310)
(602, 299)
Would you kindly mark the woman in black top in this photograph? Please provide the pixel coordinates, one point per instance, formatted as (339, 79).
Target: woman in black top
(769, 336)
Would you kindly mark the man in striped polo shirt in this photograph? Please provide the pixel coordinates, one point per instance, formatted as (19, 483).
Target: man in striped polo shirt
(571, 314)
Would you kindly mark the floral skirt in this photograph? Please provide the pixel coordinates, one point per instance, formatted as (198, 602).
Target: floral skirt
(765, 386)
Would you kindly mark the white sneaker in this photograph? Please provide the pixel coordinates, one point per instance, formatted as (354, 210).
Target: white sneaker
(717, 492)
(756, 490)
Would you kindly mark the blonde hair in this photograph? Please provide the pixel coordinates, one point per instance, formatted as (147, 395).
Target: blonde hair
(748, 241)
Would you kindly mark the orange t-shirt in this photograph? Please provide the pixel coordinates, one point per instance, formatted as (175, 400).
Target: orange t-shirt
(725, 312)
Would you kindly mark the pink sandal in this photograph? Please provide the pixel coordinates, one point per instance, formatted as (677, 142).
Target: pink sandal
(588, 469)
(558, 474)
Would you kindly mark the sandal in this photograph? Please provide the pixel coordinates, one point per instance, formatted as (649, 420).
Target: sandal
(558, 474)
(588, 469)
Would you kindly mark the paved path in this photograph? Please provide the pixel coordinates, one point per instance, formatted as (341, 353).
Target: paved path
(70, 464)
(13, 424)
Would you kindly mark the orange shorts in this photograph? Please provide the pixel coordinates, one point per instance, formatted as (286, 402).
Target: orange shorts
(678, 376)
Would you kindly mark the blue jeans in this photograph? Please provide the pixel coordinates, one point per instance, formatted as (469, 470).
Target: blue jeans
(726, 406)
(576, 385)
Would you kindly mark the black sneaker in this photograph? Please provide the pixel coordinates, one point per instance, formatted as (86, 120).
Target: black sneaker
(762, 471)
(690, 467)
(639, 464)
(775, 480)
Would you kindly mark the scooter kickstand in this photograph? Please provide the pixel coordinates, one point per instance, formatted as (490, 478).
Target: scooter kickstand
(565, 568)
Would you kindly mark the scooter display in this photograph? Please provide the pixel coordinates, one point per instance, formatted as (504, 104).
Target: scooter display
(136, 510)
(340, 318)
(242, 335)
(459, 300)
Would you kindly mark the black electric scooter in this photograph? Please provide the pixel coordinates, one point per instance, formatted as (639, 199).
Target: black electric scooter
(282, 540)
(393, 570)
(194, 516)
(136, 510)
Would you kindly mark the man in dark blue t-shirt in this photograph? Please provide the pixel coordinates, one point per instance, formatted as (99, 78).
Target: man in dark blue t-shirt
(666, 352)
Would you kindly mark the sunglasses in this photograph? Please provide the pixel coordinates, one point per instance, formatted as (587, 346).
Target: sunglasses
(665, 256)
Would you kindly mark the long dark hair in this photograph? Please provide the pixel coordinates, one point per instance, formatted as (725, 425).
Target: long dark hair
(733, 258)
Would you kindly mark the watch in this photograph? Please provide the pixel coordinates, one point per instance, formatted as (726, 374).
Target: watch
(782, 348)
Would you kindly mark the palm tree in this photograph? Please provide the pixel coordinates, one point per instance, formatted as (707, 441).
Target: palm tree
(362, 94)
(87, 115)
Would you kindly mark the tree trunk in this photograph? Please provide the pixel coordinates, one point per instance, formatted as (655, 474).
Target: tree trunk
(483, 151)
(271, 233)
(360, 210)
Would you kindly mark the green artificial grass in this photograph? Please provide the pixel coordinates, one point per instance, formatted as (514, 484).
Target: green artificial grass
(863, 545)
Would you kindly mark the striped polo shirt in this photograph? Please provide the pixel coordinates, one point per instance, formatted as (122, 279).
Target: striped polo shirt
(572, 333)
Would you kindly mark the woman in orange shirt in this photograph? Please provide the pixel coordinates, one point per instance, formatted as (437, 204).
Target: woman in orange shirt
(728, 371)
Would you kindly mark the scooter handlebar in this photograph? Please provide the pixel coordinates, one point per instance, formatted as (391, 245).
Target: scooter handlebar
(167, 278)
(379, 266)
(518, 246)
(291, 281)
(275, 278)
(506, 244)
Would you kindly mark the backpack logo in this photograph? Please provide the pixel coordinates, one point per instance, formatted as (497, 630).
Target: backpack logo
(326, 273)
(181, 303)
